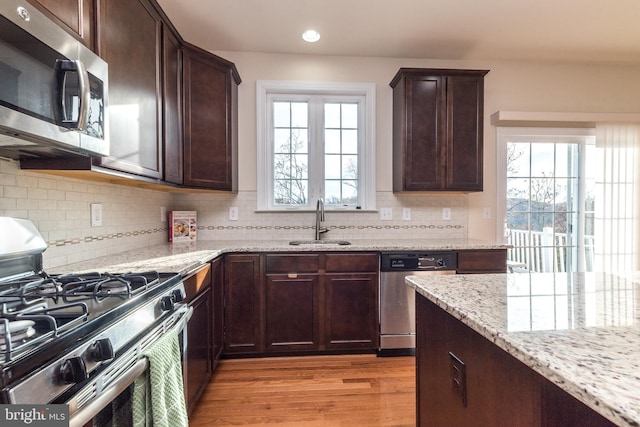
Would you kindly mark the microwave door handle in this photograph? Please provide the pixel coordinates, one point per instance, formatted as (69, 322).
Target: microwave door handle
(62, 68)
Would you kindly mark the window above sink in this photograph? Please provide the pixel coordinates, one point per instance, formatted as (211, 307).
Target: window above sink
(316, 140)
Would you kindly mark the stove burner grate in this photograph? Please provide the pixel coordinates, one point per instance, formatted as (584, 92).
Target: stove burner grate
(102, 285)
(14, 332)
(43, 323)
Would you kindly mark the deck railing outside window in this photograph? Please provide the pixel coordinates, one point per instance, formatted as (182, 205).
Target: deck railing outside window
(543, 251)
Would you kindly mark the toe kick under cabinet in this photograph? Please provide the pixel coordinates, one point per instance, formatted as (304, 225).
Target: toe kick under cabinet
(304, 303)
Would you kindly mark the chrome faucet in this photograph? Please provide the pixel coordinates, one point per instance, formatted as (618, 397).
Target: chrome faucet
(319, 219)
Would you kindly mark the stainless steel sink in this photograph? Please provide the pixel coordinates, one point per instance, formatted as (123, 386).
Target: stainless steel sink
(319, 242)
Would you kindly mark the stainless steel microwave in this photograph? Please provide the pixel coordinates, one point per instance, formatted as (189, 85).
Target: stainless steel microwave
(53, 89)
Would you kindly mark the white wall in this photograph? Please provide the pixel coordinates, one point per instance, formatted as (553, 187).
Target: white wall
(516, 86)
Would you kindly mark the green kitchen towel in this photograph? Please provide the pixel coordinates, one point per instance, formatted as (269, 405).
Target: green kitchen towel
(162, 387)
(141, 402)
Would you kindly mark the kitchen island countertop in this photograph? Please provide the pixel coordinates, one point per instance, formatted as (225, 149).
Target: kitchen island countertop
(185, 257)
(580, 331)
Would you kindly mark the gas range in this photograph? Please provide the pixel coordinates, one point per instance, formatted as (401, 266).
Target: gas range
(66, 338)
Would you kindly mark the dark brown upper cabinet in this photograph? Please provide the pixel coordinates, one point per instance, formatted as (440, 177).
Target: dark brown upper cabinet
(438, 129)
(172, 135)
(75, 16)
(130, 41)
(210, 95)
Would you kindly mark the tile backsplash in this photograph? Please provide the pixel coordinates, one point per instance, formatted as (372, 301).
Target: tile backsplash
(426, 218)
(60, 209)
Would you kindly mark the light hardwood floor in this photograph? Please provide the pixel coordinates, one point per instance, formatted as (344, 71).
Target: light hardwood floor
(353, 390)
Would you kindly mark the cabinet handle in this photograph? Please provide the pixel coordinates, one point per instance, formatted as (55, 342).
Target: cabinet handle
(292, 275)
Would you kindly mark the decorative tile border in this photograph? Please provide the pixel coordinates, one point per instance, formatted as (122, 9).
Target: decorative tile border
(92, 239)
(332, 227)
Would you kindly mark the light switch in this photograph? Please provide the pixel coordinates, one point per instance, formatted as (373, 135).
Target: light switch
(233, 213)
(446, 214)
(96, 214)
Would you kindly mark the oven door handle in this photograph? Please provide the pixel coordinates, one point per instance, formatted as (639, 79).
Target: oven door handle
(183, 314)
(85, 414)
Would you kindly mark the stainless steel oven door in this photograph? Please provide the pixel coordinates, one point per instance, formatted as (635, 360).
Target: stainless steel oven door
(124, 370)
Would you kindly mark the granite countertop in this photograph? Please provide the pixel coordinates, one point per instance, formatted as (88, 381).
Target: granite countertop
(580, 331)
(185, 257)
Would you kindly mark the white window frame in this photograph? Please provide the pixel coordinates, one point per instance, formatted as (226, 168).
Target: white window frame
(364, 93)
(504, 135)
(525, 134)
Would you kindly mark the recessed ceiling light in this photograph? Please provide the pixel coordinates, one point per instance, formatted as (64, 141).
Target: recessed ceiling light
(311, 36)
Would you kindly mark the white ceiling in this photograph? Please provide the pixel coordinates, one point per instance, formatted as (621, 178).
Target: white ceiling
(557, 30)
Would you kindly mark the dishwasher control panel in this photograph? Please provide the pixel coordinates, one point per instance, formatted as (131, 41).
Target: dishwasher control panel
(417, 261)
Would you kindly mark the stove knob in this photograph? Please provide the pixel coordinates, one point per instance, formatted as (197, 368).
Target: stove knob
(100, 350)
(177, 295)
(72, 370)
(166, 303)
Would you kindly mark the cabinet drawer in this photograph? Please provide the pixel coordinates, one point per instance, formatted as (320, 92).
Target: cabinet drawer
(482, 261)
(351, 262)
(197, 282)
(298, 263)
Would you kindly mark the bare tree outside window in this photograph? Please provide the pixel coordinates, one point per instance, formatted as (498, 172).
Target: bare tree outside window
(290, 153)
(291, 172)
(316, 151)
(542, 208)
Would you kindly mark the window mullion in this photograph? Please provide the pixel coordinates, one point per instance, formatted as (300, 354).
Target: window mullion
(316, 149)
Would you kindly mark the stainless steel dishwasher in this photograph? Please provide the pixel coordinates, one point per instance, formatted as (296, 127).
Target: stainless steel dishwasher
(397, 299)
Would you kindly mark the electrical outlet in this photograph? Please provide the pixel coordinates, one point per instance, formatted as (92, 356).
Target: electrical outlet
(386, 214)
(233, 213)
(406, 214)
(163, 214)
(446, 214)
(486, 213)
(96, 214)
(458, 373)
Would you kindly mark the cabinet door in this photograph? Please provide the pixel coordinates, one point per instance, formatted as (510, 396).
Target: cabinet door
(419, 126)
(130, 42)
(217, 287)
(351, 311)
(292, 317)
(243, 305)
(210, 121)
(172, 105)
(198, 356)
(437, 129)
(464, 150)
(75, 15)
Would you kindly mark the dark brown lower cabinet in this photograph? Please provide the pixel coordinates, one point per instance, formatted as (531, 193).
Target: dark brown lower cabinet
(198, 358)
(243, 311)
(482, 261)
(217, 289)
(292, 316)
(463, 379)
(350, 313)
(303, 303)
